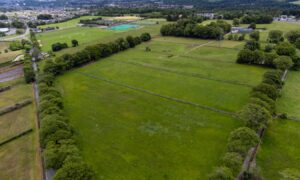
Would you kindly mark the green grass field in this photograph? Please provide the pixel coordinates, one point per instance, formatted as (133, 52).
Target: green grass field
(280, 150)
(88, 36)
(290, 101)
(19, 158)
(68, 24)
(132, 116)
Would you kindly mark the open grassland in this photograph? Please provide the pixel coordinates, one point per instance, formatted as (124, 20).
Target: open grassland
(290, 101)
(68, 24)
(280, 152)
(88, 36)
(147, 111)
(18, 159)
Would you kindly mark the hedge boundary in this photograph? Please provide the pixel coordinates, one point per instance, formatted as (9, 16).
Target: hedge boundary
(16, 137)
(14, 107)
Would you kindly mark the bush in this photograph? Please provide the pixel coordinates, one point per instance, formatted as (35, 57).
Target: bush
(254, 35)
(74, 171)
(275, 36)
(252, 45)
(269, 59)
(15, 46)
(264, 98)
(283, 63)
(53, 130)
(255, 116)
(145, 37)
(241, 140)
(221, 173)
(59, 46)
(267, 89)
(56, 153)
(233, 161)
(247, 56)
(269, 48)
(293, 35)
(285, 49)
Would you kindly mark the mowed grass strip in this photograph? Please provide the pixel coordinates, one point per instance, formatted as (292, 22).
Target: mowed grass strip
(280, 151)
(125, 134)
(13, 123)
(290, 101)
(18, 159)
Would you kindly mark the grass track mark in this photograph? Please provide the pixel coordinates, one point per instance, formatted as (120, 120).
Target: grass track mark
(231, 114)
(194, 75)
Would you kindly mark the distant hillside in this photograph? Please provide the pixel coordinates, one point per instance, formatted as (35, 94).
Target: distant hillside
(223, 4)
(233, 3)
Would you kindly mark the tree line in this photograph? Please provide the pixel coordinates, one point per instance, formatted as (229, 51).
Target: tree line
(190, 28)
(261, 108)
(276, 50)
(57, 136)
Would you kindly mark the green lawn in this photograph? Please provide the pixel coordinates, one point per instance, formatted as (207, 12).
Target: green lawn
(280, 151)
(126, 127)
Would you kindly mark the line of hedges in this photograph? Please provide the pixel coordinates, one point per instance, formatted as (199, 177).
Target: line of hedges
(93, 53)
(28, 70)
(3, 89)
(257, 114)
(57, 136)
(273, 52)
(15, 106)
(16, 137)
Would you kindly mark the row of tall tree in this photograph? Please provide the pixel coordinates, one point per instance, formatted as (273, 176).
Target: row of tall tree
(190, 28)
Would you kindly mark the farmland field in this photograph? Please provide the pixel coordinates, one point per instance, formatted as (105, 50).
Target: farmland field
(156, 114)
(18, 158)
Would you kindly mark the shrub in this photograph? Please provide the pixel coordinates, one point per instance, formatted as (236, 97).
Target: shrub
(275, 36)
(293, 35)
(145, 37)
(221, 173)
(269, 59)
(283, 63)
(74, 171)
(55, 154)
(252, 45)
(267, 89)
(264, 98)
(285, 49)
(254, 35)
(54, 130)
(233, 161)
(59, 46)
(241, 140)
(269, 48)
(255, 116)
